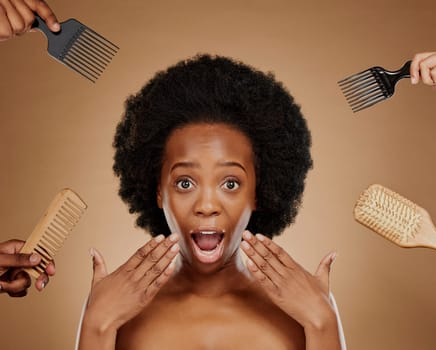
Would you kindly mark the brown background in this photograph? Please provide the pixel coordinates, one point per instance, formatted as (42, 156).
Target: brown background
(56, 131)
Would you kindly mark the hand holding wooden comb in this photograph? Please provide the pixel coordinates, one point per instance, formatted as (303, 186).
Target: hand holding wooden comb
(13, 280)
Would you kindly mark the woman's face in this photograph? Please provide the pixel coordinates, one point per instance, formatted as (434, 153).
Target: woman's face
(207, 191)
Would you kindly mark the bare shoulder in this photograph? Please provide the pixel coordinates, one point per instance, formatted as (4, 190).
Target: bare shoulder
(245, 319)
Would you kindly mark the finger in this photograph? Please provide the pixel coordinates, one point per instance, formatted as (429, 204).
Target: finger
(45, 12)
(142, 253)
(433, 75)
(98, 266)
(50, 270)
(19, 260)
(263, 248)
(257, 243)
(20, 283)
(428, 65)
(278, 252)
(19, 294)
(15, 19)
(157, 269)
(323, 270)
(25, 13)
(424, 70)
(159, 282)
(41, 282)
(414, 69)
(262, 264)
(12, 246)
(415, 66)
(157, 260)
(261, 277)
(5, 26)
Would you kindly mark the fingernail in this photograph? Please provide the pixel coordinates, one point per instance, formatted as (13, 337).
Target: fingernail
(34, 258)
(43, 285)
(175, 248)
(92, 252)
(249, 262)
(247, 235)
(260, 237)
(56, 27)
(245, 245)
(159, 238)
(173, 237)
(413, 80)
(333, 258)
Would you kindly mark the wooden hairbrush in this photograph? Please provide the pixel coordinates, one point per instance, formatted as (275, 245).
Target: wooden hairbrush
(49, 235)
(395, 218)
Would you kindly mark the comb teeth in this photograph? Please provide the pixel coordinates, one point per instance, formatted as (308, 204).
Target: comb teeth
(387, 213)
(62, 215)
(89, 53)
(364, 89)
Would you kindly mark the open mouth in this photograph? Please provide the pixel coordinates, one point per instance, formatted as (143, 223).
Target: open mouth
(208, 244)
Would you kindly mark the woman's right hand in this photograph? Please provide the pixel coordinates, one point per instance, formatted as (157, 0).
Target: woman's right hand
(17, 17)
(118, 297)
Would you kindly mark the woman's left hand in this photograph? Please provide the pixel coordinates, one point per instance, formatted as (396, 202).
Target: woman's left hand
(300, 294)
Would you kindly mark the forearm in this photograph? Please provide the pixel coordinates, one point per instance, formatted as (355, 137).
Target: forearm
(95, 336)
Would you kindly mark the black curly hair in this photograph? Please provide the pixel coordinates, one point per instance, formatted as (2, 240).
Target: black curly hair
(215, 89)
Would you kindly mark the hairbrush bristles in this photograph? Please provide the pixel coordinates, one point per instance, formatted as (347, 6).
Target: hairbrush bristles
(394, 217)
(388, 213)
(62, 215)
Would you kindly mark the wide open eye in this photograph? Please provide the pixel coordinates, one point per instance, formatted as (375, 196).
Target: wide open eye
(231, 185)
(184, 184)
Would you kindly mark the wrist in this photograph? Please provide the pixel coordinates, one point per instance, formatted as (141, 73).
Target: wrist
(321, 321)
(323, 333)
(97, 325)
(94, 335)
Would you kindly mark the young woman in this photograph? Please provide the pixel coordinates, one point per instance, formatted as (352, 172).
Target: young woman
(211, 153)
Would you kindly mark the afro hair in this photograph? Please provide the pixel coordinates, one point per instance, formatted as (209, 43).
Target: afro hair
(215, 89)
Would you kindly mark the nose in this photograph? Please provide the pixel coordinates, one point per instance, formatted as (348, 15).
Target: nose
(207, 203)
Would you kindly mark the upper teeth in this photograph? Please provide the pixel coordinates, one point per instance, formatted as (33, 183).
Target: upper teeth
(207, 232)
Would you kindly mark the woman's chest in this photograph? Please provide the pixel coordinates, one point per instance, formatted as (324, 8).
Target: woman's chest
(211, 327)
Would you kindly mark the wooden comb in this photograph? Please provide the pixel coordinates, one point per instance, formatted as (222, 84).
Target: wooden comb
(49, 235)
(395, 218)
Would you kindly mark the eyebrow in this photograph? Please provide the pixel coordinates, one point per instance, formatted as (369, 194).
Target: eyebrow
(184, 165)
(197, 165)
